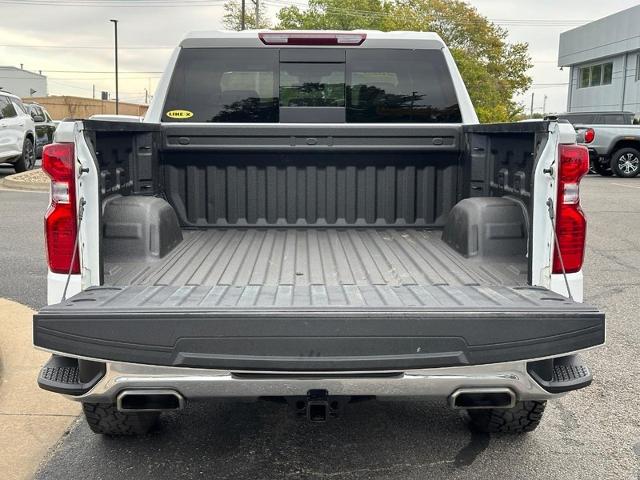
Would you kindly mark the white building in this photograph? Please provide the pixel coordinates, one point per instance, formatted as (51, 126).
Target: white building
(604, 62)
(23, 83)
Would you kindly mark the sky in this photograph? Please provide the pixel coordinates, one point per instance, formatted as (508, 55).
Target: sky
(71, 41)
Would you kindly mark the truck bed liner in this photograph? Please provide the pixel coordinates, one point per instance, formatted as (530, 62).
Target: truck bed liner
(332, 267)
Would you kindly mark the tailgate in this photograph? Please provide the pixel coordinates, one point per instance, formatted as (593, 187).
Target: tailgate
(341, 328)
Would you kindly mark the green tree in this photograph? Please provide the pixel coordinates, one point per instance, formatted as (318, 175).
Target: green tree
(336, 15)
(255, 15)
(493, 69)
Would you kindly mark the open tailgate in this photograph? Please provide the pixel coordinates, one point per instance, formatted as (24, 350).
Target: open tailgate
(343, 328)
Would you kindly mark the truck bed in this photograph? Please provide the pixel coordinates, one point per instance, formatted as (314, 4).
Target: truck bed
(250, 249)
(334, 267)
(314, 299)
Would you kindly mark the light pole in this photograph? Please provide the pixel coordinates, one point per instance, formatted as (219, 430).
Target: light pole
(115, 27)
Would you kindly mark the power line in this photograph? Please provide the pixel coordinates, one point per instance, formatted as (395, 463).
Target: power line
(84, 79)
(438, 16)
(115, 3)
(109, 2)
(174, 3)
(83, 47)
(101, 71)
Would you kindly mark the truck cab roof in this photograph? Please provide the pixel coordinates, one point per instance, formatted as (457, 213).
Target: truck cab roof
(372, 38)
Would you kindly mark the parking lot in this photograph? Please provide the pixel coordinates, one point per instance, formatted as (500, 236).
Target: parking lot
(594, 433)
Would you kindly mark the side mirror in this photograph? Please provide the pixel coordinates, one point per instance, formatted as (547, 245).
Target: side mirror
(37, 118)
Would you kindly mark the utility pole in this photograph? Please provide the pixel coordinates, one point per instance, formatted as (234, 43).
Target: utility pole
(115, 27)
(94, 92)
(544, 106)
(146, 96)
(257, 2)
(533, 95)
(242, 24)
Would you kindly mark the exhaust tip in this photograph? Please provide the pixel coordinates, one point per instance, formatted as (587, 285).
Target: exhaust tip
(149, 401)
(478, 398)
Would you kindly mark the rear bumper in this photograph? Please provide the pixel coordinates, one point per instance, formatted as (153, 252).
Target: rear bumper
(194, 384)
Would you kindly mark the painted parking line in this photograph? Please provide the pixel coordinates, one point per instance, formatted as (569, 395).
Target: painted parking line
(625, 186)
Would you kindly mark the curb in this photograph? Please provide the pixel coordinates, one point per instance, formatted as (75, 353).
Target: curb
(12, 182)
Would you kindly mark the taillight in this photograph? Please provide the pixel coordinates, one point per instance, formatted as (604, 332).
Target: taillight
(571, 225)
(60, 221)
(311, 38)
(589, 135)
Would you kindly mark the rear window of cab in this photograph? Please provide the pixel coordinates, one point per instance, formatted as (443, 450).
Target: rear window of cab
(257, 85)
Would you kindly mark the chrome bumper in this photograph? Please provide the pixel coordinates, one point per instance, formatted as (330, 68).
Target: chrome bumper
(436, 383)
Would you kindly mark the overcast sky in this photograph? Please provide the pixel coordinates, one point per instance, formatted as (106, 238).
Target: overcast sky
(148, 32)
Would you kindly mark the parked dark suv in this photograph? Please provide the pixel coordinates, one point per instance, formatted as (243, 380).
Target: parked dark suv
(45, 126)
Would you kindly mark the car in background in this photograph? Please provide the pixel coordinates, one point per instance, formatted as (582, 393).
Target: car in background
(597, 118)
(612, 139)
(45, 126)
(109, 117)
(613, 149)
(17, 133)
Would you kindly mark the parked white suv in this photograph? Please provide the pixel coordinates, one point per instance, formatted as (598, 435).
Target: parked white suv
(16, 133)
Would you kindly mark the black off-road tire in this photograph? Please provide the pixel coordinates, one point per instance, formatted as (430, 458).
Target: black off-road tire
(524, 417)
(28, 158)
(104, 418)
(625, 162)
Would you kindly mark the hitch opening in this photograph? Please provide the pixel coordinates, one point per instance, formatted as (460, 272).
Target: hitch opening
(318, 406)
(317, 411)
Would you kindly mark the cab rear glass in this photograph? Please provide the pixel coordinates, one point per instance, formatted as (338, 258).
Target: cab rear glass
(253, 85)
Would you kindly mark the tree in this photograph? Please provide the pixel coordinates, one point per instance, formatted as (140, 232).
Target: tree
(494, 70)
(255, 15)
(336, 15)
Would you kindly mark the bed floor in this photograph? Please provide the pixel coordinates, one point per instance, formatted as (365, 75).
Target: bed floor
(303, 257)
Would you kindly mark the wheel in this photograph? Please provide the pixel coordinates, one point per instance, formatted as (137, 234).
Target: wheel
(104, 418)
(524, 417)
(603, 169)
(28, 158)
(626, 162)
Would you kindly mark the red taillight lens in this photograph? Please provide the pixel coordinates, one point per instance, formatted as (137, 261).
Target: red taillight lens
(571, 225)
(60, 221)
(589, 135)
(311, 38)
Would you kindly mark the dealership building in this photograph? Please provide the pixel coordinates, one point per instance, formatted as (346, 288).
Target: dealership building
(603, 58)
(22, 83)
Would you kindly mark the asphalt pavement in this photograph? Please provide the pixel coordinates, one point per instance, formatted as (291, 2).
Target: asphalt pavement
(590, 434)
(23, 271)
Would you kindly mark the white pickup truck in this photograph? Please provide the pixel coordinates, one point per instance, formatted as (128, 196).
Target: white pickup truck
(315, 217)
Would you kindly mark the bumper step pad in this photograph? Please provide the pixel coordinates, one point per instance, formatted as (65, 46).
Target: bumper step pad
(64, 375)
(562, 374)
